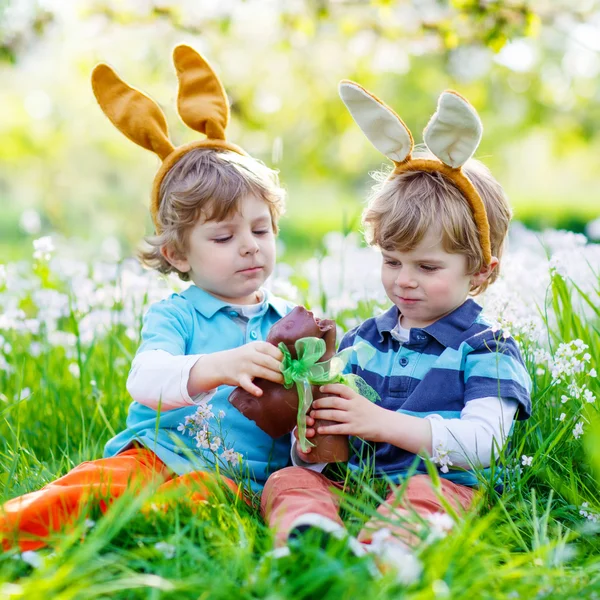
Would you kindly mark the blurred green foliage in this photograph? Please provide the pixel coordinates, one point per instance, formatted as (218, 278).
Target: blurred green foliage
(530, 68)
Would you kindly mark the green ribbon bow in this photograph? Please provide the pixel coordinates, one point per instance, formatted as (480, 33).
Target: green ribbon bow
(305, 371)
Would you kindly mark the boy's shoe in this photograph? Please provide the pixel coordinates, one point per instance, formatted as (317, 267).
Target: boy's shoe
(315, 525)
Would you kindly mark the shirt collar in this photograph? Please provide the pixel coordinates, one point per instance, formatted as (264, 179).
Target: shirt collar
(444, 330)
(207, 305)
(448, 328)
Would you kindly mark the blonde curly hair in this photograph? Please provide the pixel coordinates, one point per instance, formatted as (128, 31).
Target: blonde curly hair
(207, 183)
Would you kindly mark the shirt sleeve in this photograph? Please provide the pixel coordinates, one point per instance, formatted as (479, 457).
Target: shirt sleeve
(494, 368)
(471, 440)
(158, 378)
(167, 326)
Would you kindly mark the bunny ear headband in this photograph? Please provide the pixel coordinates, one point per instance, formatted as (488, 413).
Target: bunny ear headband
(452, 135)
(201, 103)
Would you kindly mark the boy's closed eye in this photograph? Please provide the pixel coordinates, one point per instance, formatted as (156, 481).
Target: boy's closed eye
(224, 239)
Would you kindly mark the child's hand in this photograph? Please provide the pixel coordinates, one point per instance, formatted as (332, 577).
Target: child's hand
(238, 367)
(353, 413)
(310, 432)
(257, 359)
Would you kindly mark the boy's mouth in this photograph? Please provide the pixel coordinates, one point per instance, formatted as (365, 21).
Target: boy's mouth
(250, 270)
(408, 300)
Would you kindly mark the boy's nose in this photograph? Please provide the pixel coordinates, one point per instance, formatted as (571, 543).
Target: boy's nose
(406, 281)
(249, 247)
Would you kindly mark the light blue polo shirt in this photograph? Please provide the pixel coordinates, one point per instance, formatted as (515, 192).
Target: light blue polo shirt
(195, 322)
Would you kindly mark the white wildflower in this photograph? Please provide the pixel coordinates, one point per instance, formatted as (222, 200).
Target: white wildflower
(30, 221)
(25, 394)
(221, 414)
(586, 512)
(215, 444)
(589, 397)
(33, 559)
(167, 550)
(441, 457)
(74, 370)
(43, 248)
(440, 525)
(578, 430)
(526, 461)
(231, 456)
(593, 373)
(89, 523)
(392, 554)
(202, 438)
(562, 416)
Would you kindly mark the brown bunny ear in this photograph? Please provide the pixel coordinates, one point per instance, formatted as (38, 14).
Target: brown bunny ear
(201, 102)
(134, 114)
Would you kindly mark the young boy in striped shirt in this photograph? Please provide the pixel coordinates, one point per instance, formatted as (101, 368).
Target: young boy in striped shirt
(450, 384)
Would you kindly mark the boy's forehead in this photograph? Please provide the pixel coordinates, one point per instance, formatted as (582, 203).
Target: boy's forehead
(248, 208)
(430, 243)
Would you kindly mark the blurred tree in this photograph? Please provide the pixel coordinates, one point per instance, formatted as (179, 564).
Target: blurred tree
(530, 68)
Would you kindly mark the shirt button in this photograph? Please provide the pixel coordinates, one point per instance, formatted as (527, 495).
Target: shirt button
(233, 314)
(253, 335)
(403, 361)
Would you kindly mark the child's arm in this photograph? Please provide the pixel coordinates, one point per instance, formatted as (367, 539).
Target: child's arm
(355, 415)
(237, 367)
(163, 375)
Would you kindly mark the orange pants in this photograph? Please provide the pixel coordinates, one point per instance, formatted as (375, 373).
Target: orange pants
(295, 491)
(28, 521)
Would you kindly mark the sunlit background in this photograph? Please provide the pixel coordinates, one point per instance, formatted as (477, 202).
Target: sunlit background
(530, 68)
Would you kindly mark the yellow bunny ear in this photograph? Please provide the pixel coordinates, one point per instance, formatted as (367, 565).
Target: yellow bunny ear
(134, 114)
(201, 102)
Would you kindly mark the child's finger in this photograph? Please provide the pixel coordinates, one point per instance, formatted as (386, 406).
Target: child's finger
(339, 389)
(246, 383)
(264, 360)
(310, 432)
(330, 415)
(270, 350)
(339, 429)
(309, 421)
(268, 374)
(331, 402)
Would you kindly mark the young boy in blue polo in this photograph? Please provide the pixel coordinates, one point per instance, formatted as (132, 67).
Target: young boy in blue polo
(215, 211)
(449, 383)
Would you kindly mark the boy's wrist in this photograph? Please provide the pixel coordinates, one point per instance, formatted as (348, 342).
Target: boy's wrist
(206, 374)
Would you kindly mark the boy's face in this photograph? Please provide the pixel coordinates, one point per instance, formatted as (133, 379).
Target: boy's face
(426, 283)
(231, 259)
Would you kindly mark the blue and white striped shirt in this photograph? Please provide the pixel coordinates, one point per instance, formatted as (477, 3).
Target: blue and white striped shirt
(437, 371)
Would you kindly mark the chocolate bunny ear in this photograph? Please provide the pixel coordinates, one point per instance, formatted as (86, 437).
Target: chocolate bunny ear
(454, 132)
(201, 101)
(382, 126)
(133, 113)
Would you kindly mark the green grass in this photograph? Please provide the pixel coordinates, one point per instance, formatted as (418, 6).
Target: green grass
(530, 542)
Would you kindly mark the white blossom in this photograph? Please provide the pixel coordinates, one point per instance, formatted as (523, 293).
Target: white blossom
(526, 461)
(43, 248)
(167, 550)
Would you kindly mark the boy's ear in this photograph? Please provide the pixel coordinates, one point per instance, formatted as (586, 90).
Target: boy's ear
(175, 259)
(478, 278)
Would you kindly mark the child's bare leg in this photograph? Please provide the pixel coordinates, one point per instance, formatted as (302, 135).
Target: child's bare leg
(293, 492)
(421, 497)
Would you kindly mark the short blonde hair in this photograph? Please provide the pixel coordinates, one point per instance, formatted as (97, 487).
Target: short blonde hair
(207, 183)
(402, 208)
